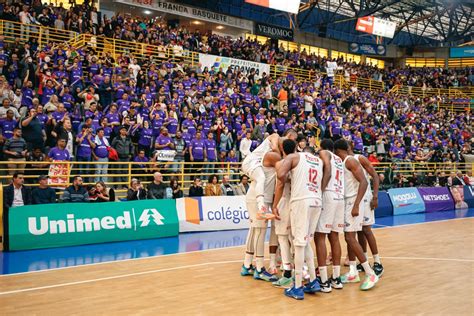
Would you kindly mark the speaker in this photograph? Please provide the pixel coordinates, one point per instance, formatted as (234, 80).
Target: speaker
(322, 31)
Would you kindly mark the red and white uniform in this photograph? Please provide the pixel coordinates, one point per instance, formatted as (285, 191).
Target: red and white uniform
(351, 186)
(332, 213)
(305, 197)
(255, 159)
(282, 226)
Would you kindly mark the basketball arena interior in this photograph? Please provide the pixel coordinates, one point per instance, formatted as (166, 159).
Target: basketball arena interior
(242, 157)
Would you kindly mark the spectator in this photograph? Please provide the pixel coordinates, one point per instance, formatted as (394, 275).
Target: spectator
(136, 191)
(101, 193)
(16, 194)
(243, 186)
(59, 153)
(459, 179)
(177, 192)
(197, 152)
(226, 187)
(15, 150)
(245, 145)
(213, 187)
(76, 193)
(101, 155)
(36, 163)
(123, 146)
(196, 188)
(43, 194)
(157, 189)
(33, 130)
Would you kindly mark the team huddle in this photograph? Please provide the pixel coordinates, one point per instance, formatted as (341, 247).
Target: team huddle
(309, 195)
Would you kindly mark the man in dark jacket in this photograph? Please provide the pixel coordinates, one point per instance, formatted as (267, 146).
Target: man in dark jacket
(157, 189)
(196, 188)
(14, 195)
(76, 193)
(43, 194)
(123, 146)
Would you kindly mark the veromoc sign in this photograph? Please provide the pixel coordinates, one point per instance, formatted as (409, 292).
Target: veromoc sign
(273, 31)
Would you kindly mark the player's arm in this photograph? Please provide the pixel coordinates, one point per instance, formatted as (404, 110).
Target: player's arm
(375, 180)
(326, 158)
(274, 142)
(356, 169)
(270, 159)
(283, 169)
(279, 187)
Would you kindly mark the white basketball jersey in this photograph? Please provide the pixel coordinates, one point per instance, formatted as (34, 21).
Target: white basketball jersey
(351, 185)
(336, 183)
(270, 179)
(306, 178)
(366, 174)
(261, 150)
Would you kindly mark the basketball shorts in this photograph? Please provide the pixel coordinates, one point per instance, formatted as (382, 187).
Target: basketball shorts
(304, 216)
(249, 164)
(332, 213)
(282, 226)
(369, 213)
(352, 224)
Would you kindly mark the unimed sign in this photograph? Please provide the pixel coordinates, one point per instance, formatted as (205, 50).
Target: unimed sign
(57, 225)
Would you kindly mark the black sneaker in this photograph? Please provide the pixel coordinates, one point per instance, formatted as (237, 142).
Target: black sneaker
(336, 283)
(326, 286)
(378, 269)
(360, 268)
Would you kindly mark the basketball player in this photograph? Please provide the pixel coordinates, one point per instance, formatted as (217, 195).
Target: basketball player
(255, 243)
(355, 187)
(331, 221)
(370, 204)
(252, 166)
(282, 229)
(306, 171)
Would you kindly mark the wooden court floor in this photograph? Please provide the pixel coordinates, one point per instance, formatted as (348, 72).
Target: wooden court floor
(429, 269)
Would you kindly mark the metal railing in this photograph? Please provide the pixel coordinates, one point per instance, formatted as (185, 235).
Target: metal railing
(120, 174)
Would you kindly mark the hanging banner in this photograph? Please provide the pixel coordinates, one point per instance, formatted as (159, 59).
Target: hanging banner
(233, 64)
(190, 12)
(437, 199)
(367, 49)
(212, 213)
(406, 201)
(275, 32)
(71, 224)
(464, 51)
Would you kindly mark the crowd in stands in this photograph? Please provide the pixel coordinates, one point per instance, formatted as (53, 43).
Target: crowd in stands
(86, 19)
(61, 103)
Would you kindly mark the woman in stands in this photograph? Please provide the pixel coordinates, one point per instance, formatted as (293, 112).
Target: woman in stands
(213, 187)
(101, 193)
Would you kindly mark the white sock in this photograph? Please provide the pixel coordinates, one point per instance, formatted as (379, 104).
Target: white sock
(366, 256)
(367, 268)
(377, 258)
(299, 261)
(336, 271)
(248, 260)
(273, 260)
(353, 267)
(323, 273)
(309, 258)
(259, 262)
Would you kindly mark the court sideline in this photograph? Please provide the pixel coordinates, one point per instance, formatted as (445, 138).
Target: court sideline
(203, 282)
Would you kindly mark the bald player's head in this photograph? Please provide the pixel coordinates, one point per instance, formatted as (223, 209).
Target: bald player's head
(290, 133)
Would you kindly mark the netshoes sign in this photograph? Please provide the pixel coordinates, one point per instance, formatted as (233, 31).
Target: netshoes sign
(57, 225)
(272, 31)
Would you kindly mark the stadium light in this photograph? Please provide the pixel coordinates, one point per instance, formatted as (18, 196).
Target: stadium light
(148, 12)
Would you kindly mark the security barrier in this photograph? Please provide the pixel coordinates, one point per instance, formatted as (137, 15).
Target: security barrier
(58, 225)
